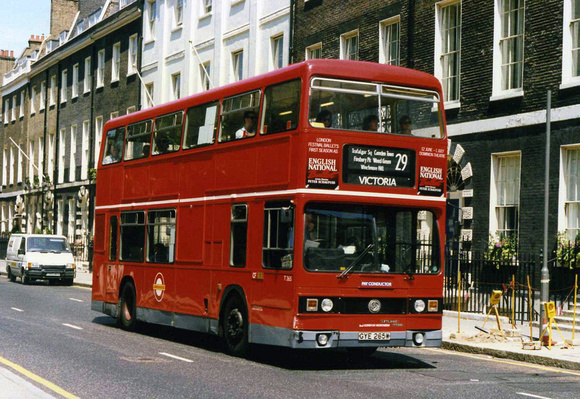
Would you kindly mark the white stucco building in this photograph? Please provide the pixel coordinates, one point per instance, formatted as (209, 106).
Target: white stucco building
(231, 39)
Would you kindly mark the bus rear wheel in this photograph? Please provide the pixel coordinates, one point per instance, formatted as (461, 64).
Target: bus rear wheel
(127, 316)
(235, 327)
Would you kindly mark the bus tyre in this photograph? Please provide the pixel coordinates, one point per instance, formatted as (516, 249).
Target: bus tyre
(127, 313)
(235, 326)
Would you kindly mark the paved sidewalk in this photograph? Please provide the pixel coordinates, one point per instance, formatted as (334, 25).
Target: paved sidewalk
(15, 387)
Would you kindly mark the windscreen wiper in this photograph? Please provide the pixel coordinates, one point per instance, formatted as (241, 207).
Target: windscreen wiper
(355, 262)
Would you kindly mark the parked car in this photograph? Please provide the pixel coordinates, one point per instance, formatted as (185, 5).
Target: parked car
(40, 257)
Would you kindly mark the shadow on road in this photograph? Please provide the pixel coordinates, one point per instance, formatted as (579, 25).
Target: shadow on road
(304, 360)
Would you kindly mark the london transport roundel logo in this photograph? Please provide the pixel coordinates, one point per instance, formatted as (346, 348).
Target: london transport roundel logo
(158, 287)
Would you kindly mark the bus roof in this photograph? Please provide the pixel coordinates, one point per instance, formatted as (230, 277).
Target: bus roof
(343, 69)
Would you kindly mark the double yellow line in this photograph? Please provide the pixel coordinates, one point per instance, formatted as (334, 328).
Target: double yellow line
(38, 379)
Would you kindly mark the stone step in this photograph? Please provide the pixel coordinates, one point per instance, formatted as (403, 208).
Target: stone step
(565, 322)
(570, 312)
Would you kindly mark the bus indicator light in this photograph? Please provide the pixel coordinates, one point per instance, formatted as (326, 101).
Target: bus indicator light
(311, 305)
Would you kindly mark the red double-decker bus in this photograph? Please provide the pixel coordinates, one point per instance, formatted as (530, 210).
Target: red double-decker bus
(302, 208)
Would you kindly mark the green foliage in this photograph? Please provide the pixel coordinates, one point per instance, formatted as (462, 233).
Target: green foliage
(568, 251)
(502, 248)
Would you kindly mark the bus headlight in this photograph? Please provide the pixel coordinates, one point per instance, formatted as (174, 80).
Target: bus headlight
(326, 305)
(322, 339)
(418, 338)
(419, 305)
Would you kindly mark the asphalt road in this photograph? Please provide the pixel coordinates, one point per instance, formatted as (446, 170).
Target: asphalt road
(51, 332)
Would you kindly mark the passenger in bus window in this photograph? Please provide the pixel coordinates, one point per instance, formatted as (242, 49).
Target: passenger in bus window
(162, 145)
(325, 117)
(146, 149)
(371, 122)
(405, 125)
(114, 154)
(249, 128)
(159, 253)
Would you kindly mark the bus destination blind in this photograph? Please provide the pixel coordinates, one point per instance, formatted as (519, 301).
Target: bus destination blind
(379, 166)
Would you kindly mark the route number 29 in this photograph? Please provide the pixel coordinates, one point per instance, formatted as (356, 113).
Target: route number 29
(401, 161)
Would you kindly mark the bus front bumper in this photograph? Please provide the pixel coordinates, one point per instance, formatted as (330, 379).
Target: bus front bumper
(341, 339)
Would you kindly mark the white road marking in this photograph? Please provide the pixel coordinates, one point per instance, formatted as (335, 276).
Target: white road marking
(532, 396)
(76, 300)
(71, 326)
(474, 380)
(18, 310)
(176, 357)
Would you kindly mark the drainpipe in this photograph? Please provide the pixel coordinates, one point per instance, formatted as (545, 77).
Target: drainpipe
(410, 33)
(291, 35)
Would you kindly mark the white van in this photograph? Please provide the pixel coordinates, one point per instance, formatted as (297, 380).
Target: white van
(40, 257)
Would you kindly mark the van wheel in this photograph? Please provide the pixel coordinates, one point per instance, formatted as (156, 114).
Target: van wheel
(11, 276)
(23, 279)
(127, 316)
(235, 326)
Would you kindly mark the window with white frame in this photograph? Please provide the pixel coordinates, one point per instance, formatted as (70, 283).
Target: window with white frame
(60, 217)
(116, 63)
(131, 109)
(40, 158)
(570, 193)
(151, 15)
(132, 58)
(389, 32)
(114, 114)
(101, 68)
(149, 95)
(176, 86)
(98, 138)
(314, 51)
(237, 65)
(571, 43)
(508, 57)
(71, 219)
(85, 150)
(349, 46)
(448, 48)
(50, 155)
(19, 166)
(33, 100)
(63, 79)
(207, 6)
(13, 108)
(205, 75)
(41, 96)
(52, 99)
(6, 109)
(87, 76)
(12, 165)
(178, 12)
(61, 155)
(505, 195)
(75, 81)
(4, 167)
(73, 153)
(22, 98)
(277, 45)
(31, 161)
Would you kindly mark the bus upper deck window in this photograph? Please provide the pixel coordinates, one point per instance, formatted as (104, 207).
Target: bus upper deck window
(138, 142)
(239, 116)
(167, 136)
(201, 125)
(114, 146)
(281, 107)
(372, 107)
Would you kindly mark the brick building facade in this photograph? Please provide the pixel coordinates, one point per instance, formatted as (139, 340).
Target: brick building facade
(74, 81)
(495, 106)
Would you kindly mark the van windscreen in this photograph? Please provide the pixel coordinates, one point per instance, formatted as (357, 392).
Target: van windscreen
(47, 244)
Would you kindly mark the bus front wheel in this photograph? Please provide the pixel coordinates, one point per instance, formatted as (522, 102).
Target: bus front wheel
(236, 327)
(127, 316)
